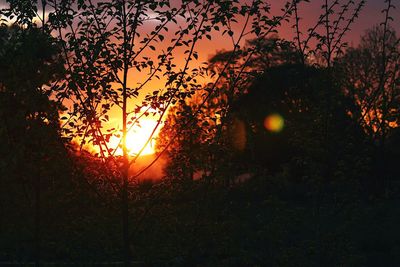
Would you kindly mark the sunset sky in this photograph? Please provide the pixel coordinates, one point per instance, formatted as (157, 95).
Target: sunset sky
(309, 13)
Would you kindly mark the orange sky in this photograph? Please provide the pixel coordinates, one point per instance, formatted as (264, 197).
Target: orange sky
(309, 13)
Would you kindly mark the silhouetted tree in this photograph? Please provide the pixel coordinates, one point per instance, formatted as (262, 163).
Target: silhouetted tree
(362, 69)
(292, 92)
(184, 155)
(221, 135)
(32, 151)
(113, 54)
(370, 76)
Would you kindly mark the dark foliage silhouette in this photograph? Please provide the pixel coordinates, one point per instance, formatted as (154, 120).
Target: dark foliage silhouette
(278, 152)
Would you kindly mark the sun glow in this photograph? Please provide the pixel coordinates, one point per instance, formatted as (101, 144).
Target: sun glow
(137, 138)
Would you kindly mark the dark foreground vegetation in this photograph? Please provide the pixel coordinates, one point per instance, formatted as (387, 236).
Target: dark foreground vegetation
(288, 158)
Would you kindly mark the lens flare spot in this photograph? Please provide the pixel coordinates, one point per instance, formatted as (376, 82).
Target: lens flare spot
(274, 123)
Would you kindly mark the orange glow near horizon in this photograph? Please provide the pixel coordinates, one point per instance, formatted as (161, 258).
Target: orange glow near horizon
(137, 138)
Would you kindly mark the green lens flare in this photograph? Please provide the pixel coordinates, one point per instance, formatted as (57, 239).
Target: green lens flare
(274, 123)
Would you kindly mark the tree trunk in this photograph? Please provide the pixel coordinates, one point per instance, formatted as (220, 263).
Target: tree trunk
(125, 171)
(37, 237)
(125, 217)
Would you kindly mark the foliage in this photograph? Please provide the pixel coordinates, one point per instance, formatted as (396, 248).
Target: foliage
(185, 158)
(111, 60)
(321, 191)
(30, 125)
(323, 42)
(362, 69)
(33, 157)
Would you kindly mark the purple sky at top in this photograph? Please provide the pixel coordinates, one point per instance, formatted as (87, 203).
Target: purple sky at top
(370, 15)
(309, 12)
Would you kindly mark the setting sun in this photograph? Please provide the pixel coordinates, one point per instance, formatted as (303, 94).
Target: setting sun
(137, 138)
